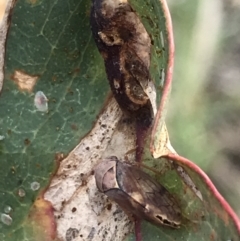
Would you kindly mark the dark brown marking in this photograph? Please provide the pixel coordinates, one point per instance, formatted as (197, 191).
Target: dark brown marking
(125, 47)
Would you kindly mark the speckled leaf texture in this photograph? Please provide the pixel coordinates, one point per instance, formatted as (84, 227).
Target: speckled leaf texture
(50, 42)
(49, 48)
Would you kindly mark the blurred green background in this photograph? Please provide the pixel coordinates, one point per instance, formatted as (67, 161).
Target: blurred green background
(204, 111)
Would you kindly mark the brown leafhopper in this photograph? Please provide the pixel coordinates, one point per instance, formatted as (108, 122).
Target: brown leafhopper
(137, 192)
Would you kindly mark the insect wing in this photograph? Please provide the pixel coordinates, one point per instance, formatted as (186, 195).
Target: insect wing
(137, 192)
(159, 205)
(127, 194)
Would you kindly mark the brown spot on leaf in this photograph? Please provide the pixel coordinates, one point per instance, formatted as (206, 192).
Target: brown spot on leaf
(70, 109)
(13, 169)
(109, 206)
(84, 182)
(24, 81)
(76, 72)
(41, 220)
(74, 127)
(70, 91)
(74, 209)
(38, 165)
(59, 156)
(27, 142)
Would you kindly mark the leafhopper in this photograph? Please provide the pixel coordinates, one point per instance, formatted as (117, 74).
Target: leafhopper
(137, 192)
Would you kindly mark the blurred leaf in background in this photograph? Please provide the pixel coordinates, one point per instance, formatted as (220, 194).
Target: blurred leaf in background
(203, 117)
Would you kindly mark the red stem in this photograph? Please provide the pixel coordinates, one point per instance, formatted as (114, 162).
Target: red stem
(169, 72)
(210, 185)
(138, 233)
(141, 135)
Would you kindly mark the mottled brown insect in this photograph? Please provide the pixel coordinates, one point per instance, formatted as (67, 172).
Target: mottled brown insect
(137, 192)
(125, 47)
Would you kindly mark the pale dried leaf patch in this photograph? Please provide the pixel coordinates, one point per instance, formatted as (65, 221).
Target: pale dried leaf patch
(163, 145)
(3, 4)
(73, 187)
(24, 81)
(5, 7)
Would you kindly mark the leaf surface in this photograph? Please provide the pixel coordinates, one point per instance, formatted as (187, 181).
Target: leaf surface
(209, 218)
(49, 48)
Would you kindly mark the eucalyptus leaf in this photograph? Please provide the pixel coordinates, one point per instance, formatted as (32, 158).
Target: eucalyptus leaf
(49, 48)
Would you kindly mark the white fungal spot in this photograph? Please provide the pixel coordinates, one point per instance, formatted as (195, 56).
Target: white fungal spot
(2, 137)
(6, 219)
(21, 192)
(41, 101)
(7, 209)
(35, 186)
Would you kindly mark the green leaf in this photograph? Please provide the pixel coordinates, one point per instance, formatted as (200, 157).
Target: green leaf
(208, 219)
(206, 216)
(50, 49)
(156, 19)
(48, 42)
